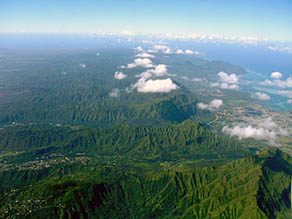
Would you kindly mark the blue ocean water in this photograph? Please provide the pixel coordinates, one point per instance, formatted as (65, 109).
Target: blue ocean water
(259, 59)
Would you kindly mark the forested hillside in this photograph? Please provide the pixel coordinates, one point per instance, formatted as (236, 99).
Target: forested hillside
(254, 187)
(185, 140)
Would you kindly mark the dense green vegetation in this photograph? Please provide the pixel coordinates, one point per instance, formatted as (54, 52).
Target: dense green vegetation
(70, 150)
(189, 140)
(255, 187)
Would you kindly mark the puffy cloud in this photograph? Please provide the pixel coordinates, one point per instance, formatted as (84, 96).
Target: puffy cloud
(267, 123)
(145, 75)
(233, 87)
(159, 70)
(278, 83)
(160, 48)
(155, 86)
(225, 86)
(147, 63)
(167, 51)
(145, 55)
(140, 62)
(229, 86)
(250, 132)
(119, 75)
(276, 75)
(264, 129)
(189, 52)
(179, 52)
(139, 49)
(115, 93)
(203, 106)
(214, 104)
(261, 96)
(230, 79)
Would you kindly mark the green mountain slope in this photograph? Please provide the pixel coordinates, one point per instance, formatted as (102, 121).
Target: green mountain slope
(89, 110)
(184, 140)
(254, 187)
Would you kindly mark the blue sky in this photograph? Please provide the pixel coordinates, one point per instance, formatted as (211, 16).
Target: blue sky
(256, 18)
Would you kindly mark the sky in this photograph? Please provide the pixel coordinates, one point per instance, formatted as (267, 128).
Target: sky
(270, 19)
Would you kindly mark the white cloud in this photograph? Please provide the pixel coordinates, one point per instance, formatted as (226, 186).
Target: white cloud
(229, 86)
(261, 96)
(283, 132)
(264, 129)
(267, 123)
(159, 70)
(167, 51)
(189, 52)
(139, 48)
(230, 79)
(119, 75)
(145, 75)
(179, 52)
(233, 87)
(276, 75)
(115, 93)
(140, 62)
(155, 86)
(278, 83)
(145, 55)
(250, 132)
(214, 104)
(160, 48)
(225, 86)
